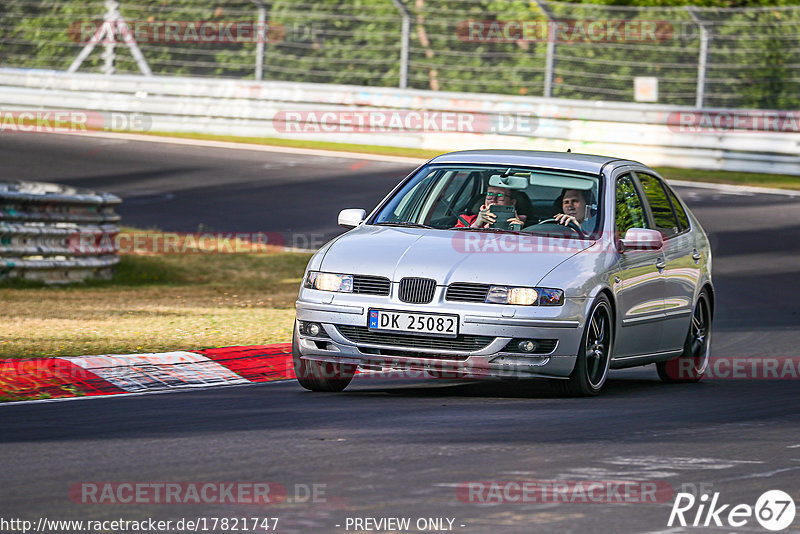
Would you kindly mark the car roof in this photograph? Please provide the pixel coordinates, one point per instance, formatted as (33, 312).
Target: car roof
(590, 163)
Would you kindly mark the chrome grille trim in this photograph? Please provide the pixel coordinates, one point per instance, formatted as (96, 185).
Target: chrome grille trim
(463, 342)
(417, 290)
(467, 292)
(412, 354)
(370, 285)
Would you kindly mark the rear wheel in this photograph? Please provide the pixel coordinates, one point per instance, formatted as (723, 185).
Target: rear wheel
(692, 364)
(594, 356)
(320, 376)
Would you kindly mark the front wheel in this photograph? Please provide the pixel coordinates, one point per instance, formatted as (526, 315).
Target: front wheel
(692, 364)
(320, 376)
(594, 356)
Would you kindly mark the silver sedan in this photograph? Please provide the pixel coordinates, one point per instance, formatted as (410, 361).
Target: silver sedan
(511, 264)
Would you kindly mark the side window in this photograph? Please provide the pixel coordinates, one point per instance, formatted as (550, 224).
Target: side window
(629, 211)
(457, 189)
(461, 189)
(663, 216)
(679, 211)
(407, 209)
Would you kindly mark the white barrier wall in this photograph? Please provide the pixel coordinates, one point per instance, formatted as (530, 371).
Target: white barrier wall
(656, 135)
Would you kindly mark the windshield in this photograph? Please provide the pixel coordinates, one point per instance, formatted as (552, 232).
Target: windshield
(462, 197)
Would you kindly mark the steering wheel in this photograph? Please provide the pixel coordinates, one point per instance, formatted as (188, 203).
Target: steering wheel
(572, 225)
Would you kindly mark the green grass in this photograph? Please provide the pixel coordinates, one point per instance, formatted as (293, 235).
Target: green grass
(729, 177)
(302, 143)
(724, 177)
(156, 303)
(15, 398)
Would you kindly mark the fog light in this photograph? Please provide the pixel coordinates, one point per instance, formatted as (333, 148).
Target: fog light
(527, 346)
(313, 329)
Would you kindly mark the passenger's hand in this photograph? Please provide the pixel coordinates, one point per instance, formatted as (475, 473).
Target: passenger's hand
(515, 220)
(485, 218)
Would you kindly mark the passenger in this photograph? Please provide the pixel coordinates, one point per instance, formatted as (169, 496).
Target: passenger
(575, 205)
(485, 218)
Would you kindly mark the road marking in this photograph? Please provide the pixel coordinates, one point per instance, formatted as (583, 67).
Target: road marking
(245, 146)
(141, 372)
(735, 189)
(762, 475)
(139, 393)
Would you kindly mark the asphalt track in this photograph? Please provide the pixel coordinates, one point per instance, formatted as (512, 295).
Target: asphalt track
(400, 448)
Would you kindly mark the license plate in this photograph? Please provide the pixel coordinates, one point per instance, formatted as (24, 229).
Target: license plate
(414, 323)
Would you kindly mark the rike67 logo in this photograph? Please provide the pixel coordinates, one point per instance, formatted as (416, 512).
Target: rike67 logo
(774, 510)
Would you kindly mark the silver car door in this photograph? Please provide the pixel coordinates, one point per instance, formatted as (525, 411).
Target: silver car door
(681, 272)
(639, 285)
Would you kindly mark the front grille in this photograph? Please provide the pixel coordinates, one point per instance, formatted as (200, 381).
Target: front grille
(462, 342)
(466, 292)
(370, 285)
(417, 290)
(410, 354)
(543, 346)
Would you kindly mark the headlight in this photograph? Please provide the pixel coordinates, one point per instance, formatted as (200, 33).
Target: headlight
(329, 282)
(525, 296)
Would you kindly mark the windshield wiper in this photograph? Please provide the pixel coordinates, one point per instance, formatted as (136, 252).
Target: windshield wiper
(404, 224)
(473, 229)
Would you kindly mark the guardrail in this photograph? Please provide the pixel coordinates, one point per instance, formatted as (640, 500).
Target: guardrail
(650, 133)
(56, 234)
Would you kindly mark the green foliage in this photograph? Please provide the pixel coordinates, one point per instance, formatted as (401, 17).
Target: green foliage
(753, 59)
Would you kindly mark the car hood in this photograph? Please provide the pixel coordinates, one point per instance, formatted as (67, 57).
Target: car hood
(449, 256)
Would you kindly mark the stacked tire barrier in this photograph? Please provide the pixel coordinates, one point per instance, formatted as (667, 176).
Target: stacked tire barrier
(56, 234)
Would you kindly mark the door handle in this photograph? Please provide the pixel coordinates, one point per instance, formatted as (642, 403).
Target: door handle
(660, 264)
(696, 256)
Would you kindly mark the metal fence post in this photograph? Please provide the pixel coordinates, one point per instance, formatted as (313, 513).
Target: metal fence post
(112, 23)
(109, 48)
(550, 53)
(262, 36)
(703, 58)
(404, 42)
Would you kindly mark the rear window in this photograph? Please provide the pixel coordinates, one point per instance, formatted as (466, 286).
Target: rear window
(683, 219)
(663, 216)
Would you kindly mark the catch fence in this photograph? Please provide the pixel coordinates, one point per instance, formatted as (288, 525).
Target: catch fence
(686, 56)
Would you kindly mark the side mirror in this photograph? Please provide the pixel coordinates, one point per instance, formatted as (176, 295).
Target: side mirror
(641, 239)
(350, 218)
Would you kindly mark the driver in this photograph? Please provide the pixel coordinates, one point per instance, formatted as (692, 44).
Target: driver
(485, 218)
(575, 206)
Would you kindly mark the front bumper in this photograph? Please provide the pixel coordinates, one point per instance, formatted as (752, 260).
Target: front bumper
(495, 325)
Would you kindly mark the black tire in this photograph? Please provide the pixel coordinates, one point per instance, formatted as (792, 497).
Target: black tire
(320, 376)
(692, 364)
(594, 355)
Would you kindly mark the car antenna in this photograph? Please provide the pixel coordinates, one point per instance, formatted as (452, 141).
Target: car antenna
(569, 150)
